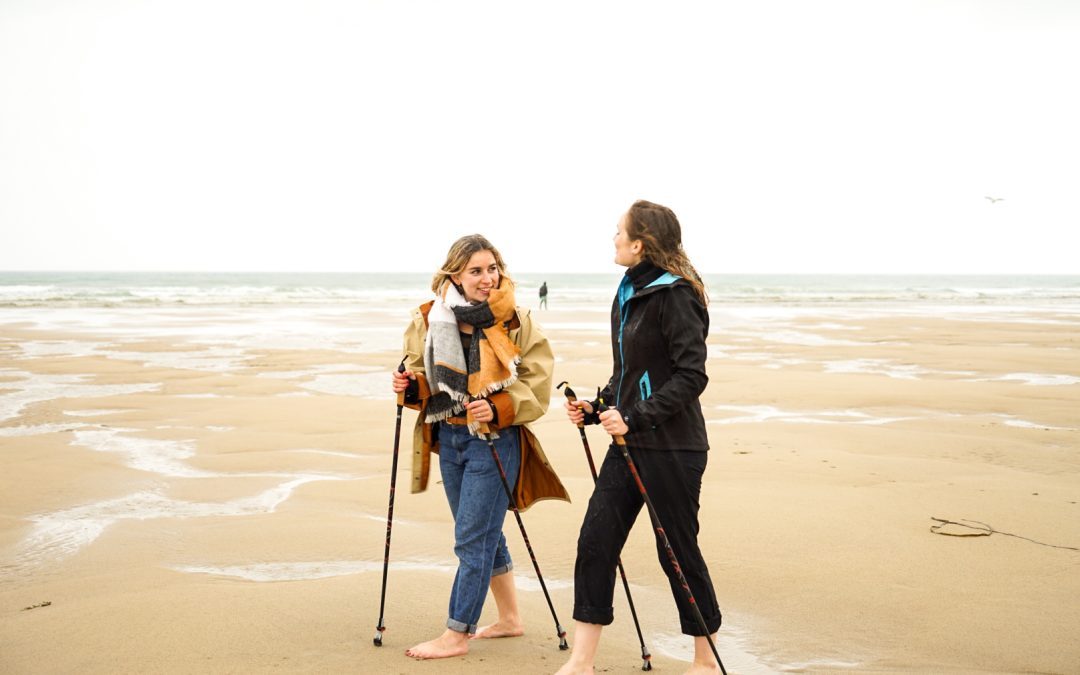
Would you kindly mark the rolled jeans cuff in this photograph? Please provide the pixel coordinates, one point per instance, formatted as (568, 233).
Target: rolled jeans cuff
(502, 569)
(460, 627)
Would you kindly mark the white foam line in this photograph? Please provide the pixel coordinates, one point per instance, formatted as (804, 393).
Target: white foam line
(532, 584)
(382, 519)
(755, 414)
(314, 371)
(213, 359)
(32, 349)
(375, 386)
(62, 533)
(875, 367)
(94, 413)
(300, 571)
(216, 358)
(189, 427)
(332, 453)
(38, 429)
(580, 326)
(769, 360)
(1034, 379)
(888, 368)
(730, 647)
(29, 388)
(795, 337)
(164, 457)
(1011, 421)
(777, 364)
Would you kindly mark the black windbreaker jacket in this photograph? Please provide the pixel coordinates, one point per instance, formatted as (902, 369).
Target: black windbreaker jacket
(658, 331)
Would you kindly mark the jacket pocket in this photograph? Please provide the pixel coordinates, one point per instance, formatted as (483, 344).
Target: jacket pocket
(645, 386)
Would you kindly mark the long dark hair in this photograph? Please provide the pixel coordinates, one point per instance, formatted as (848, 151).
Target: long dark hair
(659, 231)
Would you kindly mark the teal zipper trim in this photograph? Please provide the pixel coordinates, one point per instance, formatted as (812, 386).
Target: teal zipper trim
(626, 291)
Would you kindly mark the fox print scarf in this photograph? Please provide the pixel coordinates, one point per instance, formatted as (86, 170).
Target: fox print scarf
(455, 377)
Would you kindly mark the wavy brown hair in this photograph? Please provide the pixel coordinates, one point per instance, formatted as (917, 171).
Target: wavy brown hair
(457, 258)
(657, 228)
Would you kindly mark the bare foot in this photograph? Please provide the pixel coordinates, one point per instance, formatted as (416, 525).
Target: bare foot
(703, 669)
(450, 643)
(570, 668)
(500, 629)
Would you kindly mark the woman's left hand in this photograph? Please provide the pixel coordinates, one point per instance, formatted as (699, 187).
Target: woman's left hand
(481, 410)
(612, 421)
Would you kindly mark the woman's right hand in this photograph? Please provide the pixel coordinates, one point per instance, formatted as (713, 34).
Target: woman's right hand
(401, 380)
(576, 411)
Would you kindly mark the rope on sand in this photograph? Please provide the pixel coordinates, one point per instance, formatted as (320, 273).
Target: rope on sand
(982, 530)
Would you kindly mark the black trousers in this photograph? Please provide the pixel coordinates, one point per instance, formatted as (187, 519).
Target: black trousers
(673, 481)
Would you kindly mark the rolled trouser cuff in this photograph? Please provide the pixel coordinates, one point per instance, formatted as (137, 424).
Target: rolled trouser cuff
(502, 569)
(692, 627)
(460, 627)
(602, 616)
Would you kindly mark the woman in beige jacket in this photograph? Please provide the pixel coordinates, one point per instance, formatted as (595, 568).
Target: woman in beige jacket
(476, 362)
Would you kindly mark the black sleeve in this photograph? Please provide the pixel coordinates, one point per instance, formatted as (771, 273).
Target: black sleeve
(684, 324)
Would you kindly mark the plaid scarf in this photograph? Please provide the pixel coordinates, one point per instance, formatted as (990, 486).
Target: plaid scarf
(456, 378)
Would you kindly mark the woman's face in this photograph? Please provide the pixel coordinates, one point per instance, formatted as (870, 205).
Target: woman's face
(627, 252)
(480, 275)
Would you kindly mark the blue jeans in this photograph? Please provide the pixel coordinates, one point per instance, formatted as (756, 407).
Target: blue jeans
(478, 502)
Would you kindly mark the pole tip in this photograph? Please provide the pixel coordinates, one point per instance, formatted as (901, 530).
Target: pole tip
(378, 639)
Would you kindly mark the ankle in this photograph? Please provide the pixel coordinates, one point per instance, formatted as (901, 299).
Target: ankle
(454, 636)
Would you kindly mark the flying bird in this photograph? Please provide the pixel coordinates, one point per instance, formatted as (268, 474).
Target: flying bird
(994, 200)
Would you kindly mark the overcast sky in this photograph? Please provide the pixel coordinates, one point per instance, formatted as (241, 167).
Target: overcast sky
(344, 135)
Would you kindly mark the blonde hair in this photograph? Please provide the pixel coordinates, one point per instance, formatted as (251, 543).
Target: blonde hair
(457, 259)
(657, 228)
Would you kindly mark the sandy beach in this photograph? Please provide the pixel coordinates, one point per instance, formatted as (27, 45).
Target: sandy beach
(205, 490)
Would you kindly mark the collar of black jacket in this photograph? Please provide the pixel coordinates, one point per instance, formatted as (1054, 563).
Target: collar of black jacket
(643, 274)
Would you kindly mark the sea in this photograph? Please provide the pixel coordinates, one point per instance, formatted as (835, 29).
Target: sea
(566, 291)
(363, 313)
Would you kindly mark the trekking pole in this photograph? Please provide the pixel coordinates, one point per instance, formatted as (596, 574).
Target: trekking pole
(559, 630)
(390, 513)
(621, 444)
(646, 657)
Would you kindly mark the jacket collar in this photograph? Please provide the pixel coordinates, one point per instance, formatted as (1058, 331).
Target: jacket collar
(643, 276)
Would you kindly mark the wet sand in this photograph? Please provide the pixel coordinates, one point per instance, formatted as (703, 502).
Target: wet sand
(195, 504)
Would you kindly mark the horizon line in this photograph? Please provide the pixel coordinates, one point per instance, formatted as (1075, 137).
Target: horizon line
(532, 272)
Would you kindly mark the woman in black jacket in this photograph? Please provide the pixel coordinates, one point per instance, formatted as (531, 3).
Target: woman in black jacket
(658, 328)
